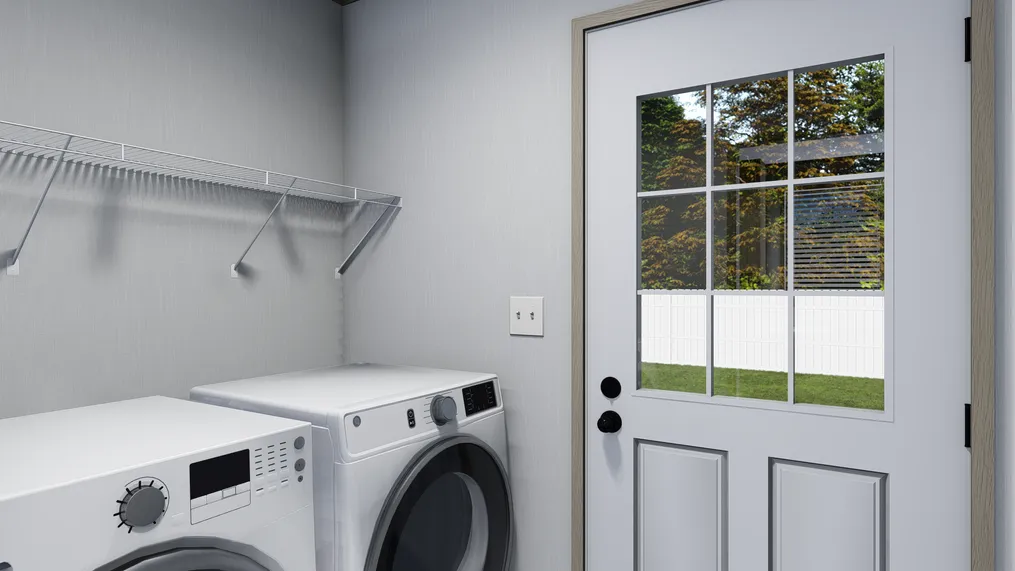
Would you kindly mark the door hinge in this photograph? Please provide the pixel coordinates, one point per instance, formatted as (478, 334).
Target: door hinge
(969, 426)
(969, 39)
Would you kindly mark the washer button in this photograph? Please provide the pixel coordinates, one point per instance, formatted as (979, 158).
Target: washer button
(214, 497)
(300, 443)
(198, 502)
(229, 492)
(301, 464)
(244, 487)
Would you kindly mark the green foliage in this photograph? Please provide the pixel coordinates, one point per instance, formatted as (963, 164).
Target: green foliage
(750, 239)
(836, 110)
(750, 115)
(673, 242)
(831, 106)
(672, 146)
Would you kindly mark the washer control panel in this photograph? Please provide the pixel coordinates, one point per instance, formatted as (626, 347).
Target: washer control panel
(219, 485)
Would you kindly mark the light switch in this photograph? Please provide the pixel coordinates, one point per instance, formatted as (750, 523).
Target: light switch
(527, 316)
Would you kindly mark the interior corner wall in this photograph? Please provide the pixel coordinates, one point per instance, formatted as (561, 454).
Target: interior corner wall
(124, 288)
(463, 107)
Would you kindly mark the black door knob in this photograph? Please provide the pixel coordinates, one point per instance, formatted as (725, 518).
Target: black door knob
(610, 387)
(609, 422)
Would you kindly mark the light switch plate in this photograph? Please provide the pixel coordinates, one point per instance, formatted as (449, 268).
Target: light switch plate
(527, 316)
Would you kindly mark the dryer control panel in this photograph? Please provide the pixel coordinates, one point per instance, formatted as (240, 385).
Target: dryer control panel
(479, 398)
(390, 424)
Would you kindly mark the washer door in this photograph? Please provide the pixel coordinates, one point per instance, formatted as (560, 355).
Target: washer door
(194, 554)
(196, 560)
(449, 511)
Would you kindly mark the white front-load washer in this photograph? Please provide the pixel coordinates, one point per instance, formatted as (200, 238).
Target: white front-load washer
(410, 463)
(155, 484)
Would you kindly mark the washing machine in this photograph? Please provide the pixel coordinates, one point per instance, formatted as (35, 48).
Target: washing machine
(410, 463)
(156, 484)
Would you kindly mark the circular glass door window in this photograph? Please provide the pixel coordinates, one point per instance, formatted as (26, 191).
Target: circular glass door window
(449, 511)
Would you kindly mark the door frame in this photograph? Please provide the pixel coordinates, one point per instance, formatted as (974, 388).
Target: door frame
(982, 269)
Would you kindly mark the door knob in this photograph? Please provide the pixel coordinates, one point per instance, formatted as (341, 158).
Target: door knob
(609, 422)
(610, 387)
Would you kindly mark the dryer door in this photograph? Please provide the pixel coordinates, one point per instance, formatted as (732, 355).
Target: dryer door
(449, 511)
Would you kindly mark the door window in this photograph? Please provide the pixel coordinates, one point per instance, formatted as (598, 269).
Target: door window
(762, 238)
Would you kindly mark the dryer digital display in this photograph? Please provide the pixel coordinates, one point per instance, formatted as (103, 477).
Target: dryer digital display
(479, 398)
(219, 473)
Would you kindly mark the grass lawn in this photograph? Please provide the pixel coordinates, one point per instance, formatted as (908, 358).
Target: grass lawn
(831, 390)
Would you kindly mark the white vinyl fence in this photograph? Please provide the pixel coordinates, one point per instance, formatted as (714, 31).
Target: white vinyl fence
(834, 335)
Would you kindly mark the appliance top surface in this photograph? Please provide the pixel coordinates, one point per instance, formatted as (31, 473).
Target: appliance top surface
(52, 449)
(318, 392)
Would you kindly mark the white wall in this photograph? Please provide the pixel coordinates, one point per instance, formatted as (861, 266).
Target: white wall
(463, 107)
(124, 288)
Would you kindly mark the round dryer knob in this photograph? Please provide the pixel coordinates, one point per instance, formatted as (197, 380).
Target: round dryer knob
(443, 410)
(142, 506)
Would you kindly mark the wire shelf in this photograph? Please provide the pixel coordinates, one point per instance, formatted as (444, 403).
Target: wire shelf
(60, 147)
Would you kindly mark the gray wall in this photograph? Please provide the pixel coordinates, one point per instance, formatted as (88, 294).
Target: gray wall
(463, 107)
(124, 288)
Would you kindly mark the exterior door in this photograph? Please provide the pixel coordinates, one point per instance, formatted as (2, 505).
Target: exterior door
(778, 285)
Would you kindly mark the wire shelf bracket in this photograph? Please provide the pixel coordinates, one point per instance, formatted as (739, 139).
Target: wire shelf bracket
(381, 221)
(68, 148)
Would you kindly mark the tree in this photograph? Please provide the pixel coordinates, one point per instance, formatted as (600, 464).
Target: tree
(672, 146)
(839, 126)
(840, 112)
(750, 131)
(673, 242)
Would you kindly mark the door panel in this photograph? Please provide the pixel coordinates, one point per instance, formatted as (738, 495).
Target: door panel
(804, 314)
(687, 529)
(827, 518)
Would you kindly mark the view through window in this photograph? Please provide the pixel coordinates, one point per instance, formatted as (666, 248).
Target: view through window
(762, 248)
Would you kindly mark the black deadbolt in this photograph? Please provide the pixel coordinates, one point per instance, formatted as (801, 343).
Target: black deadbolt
(609, 422)
(610, 387)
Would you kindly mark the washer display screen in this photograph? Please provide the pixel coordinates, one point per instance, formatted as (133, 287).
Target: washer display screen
(214, 474)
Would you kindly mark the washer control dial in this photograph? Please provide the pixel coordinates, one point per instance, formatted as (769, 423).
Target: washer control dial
(443, 410)
(143, 505)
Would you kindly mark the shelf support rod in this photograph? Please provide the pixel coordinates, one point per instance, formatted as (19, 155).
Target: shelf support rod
(237, 265)
(381, 220)
(14, 254)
